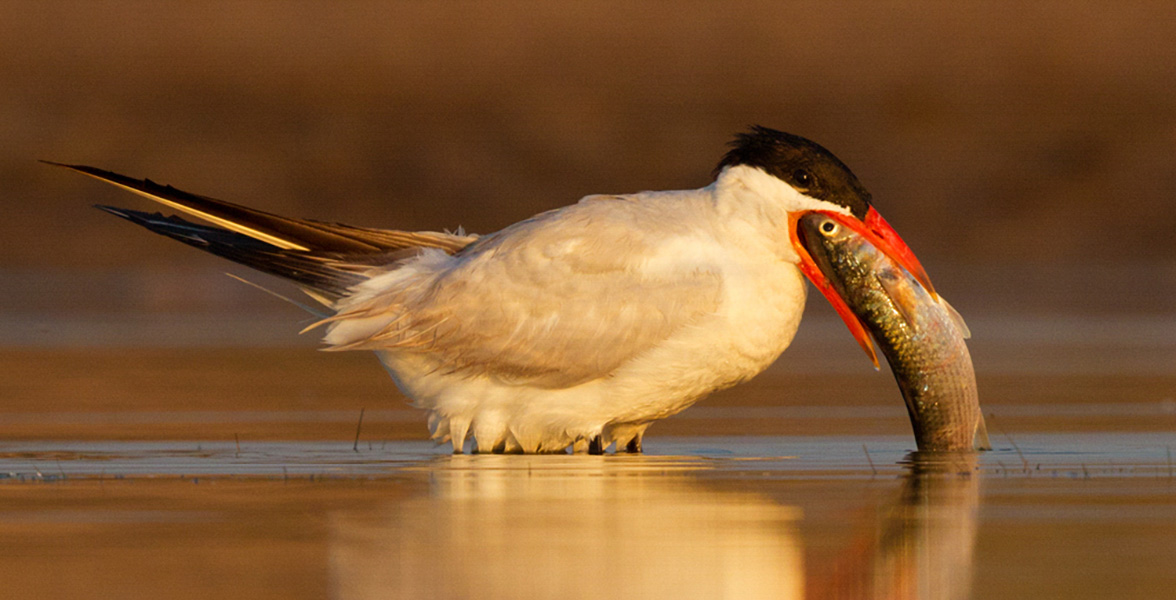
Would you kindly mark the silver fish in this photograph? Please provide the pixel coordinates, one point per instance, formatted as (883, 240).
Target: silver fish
(921, 336)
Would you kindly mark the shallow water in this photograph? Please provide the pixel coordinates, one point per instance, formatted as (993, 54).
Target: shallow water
(1060, 515)
(203, 471)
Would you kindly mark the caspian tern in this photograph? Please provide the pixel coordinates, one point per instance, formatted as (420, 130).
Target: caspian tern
(580, 326)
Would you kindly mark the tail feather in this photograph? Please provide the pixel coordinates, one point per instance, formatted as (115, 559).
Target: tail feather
(324, 258)
(284, 232)
(328, 274)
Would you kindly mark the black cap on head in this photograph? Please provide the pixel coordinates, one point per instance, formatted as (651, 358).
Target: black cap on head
(801, 163)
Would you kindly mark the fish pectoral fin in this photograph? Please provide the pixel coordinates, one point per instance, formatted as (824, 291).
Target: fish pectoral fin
(957, 319)
(980, 439)
(900, 298)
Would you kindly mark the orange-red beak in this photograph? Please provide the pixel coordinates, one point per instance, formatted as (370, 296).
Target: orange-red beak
(879, 233)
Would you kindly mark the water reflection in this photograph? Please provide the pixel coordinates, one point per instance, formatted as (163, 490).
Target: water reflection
(643, 527)
(922, 543)
(569, 527)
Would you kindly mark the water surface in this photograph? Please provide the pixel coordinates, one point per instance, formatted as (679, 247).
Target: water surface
(207, 470)
(1062, 515)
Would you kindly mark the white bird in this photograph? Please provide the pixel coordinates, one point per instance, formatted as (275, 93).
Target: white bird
(580, 326)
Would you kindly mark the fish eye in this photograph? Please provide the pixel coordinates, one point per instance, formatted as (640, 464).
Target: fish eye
(829, 228)
(803, 178)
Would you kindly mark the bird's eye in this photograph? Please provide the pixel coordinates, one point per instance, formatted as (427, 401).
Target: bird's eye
(829, 228)
(802, 178)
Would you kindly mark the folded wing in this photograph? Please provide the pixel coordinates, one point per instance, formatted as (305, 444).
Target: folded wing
(561, 299)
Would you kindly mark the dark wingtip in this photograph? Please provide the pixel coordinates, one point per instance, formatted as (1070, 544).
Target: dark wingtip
(114, 210)
(81, 168)
(102, 174)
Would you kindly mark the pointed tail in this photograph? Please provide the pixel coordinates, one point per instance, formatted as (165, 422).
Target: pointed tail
(325, 258)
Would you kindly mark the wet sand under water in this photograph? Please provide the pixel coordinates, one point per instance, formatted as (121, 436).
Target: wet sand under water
(196, 473)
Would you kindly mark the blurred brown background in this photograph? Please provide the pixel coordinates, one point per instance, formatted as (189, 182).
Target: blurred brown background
(1026, 151)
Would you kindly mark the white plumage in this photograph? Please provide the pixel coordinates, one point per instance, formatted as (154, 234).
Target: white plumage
(578, 327)
(591, 320)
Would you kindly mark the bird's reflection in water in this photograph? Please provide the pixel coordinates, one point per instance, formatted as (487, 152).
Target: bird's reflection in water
(640, 527)
(569, 527)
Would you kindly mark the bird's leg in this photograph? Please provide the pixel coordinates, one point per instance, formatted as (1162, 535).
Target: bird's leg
(634, 445)
(596, 446)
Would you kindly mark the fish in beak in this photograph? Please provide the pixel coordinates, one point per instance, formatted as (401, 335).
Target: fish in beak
(879, 233)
